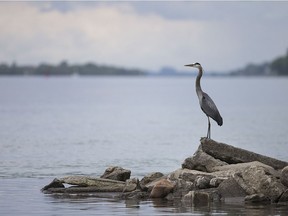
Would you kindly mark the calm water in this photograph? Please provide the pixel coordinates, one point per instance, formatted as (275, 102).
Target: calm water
(53, 127)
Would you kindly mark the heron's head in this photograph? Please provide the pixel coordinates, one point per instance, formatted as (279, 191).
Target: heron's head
(195, 65)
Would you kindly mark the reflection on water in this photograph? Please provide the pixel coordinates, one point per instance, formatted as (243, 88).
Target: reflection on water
(60, 126)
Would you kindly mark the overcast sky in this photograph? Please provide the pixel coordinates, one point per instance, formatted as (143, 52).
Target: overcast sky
(146, 35)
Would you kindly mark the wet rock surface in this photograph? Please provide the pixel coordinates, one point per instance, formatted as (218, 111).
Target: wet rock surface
(215, 172)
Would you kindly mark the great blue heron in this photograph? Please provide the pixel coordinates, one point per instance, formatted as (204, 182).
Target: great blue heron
(206, 103)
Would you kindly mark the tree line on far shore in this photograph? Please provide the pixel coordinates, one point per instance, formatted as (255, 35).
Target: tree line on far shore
(277, 67)
(66, 69)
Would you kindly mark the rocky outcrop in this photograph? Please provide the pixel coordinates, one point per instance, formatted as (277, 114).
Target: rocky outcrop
(215, 172)
(233, 155)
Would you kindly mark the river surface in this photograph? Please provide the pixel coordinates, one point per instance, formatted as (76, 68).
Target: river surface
(56, 126)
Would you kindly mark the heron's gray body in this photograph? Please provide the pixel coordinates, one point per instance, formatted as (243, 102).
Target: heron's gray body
(206, 103)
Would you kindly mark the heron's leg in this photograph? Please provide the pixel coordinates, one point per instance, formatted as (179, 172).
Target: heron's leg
(208, 132)
(209, 128)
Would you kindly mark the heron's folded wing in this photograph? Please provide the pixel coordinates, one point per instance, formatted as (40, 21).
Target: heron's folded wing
(210, 109)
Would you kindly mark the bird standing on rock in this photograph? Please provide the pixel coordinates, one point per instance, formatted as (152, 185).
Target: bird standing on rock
(206, 103)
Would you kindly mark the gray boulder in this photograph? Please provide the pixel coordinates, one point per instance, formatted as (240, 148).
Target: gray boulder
(284, 176)
(233, 155)
(230, 188)
(161, 188)
(150, 178)
(258, 180)
(84, 184)
(284, 197)
(202, 161)
(202, 182)
(196, 198)
(116, 173)
(256, 198)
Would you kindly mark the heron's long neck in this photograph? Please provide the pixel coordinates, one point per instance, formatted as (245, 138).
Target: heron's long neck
(198, 86)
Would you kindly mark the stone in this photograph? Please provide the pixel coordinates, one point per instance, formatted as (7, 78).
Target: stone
(86, 184)
(131, 185)
(284, 197)
(233, 155)
(56, 183)
(257, 180)
(188, 175)
(86, 181)
(161, 189)
(284, 176)
(216, 181)
(230, 188)
(202, 161)
(196, 198)
(256, 198)
(231, 169)
(150, 178)
(182, 187)
(202, 182)
(116, 173)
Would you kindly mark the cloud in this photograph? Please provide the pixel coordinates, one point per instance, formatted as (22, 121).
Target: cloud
(123, 34)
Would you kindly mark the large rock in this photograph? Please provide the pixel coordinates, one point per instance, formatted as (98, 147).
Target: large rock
(230, 188)
(231, 169)
(188, 175)
(284, 176)
(89, 184)
(131, 185)
(258, 180)
(202, 161)
(233, 155)
(196, 198)
(150, 178)
(116, 173)
(257, 198)
(284, 197)
(161, 189)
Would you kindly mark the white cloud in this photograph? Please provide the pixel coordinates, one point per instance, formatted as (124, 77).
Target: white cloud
(119, 35)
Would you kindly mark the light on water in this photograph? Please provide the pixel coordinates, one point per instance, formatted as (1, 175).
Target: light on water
(52, 127)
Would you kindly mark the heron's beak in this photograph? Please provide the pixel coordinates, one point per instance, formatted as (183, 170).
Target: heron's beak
(189, 65)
